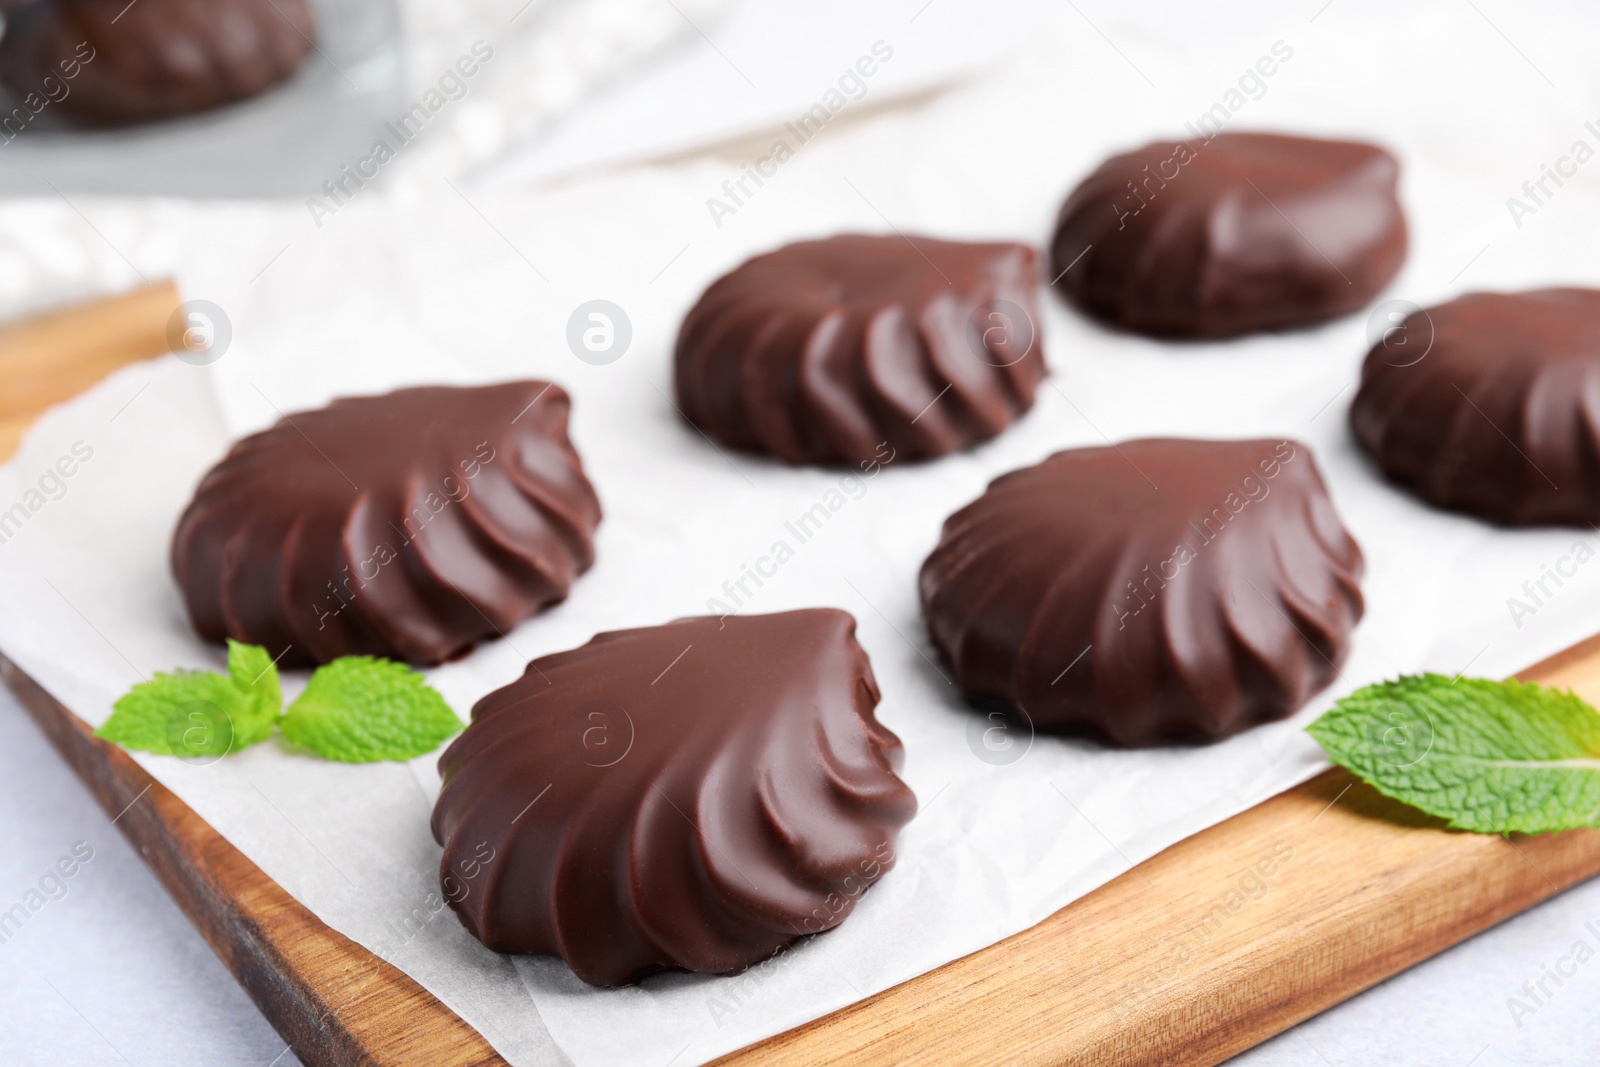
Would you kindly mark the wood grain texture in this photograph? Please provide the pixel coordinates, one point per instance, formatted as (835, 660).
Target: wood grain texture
(331, 1000)
(54, 357)
(1223, 940)
(1211, 946)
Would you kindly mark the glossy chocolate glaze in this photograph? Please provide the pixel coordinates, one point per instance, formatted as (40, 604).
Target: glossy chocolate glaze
(1159, 590)
(691, 796)
(1244, 232)
(411, 525)
(1492, 406)
(153, 59)
(852, 348)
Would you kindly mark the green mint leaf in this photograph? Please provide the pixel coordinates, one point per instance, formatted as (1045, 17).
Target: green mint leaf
(361, 710)
(201, 714)
(189, 713)
(1491, 757)
(255, 675)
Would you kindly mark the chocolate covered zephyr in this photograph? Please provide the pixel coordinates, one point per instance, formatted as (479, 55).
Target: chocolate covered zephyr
(112, 62)
(411, 525)
(1158, 590)
(692, 796)
(845, 350)
(1490, 405)
(1236, 233)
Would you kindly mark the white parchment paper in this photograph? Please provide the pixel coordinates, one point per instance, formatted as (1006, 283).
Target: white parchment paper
(458, 285)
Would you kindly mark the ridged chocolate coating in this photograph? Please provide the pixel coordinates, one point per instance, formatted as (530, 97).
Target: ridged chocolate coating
(411, 525)
(153, 59)
(1500, 417)
(691, 796)
(824, 351)
(1160, 590)
(1244, 232)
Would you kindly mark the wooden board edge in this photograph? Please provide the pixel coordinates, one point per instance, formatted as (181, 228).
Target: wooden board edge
(53, 357)
(333, 1002)
(1135, 974)
(1035, 994)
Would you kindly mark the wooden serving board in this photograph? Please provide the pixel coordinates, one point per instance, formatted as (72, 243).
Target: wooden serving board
(1200, 952)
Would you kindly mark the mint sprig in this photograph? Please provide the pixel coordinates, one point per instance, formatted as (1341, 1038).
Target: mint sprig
(1490, 757)
(254, 674)
(361, 710)
(357, 709)
(200, 713)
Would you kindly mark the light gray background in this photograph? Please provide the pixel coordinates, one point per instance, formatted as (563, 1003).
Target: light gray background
(113, 973)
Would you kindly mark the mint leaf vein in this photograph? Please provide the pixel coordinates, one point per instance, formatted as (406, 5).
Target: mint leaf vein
(1487, 756)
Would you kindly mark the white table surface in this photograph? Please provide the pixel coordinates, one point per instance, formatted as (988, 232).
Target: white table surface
(112, 973)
